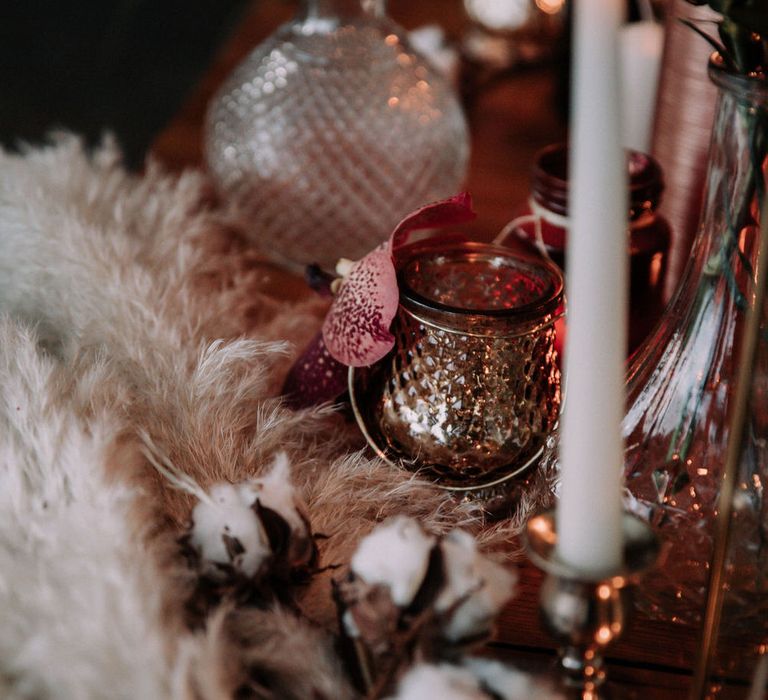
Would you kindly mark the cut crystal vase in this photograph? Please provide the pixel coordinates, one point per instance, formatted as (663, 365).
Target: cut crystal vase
(682, 380)
(331, 131)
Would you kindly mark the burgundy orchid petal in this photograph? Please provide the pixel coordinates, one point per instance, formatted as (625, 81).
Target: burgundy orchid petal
(356, 329)
(315, 377)
(447, 212)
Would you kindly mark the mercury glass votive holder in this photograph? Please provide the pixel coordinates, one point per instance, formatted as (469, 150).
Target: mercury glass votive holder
(471, 390)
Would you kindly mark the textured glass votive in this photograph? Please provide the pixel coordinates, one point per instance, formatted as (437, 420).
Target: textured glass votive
(472, 388)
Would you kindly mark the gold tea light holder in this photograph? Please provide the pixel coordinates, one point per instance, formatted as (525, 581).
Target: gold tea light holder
(586, 614)
(470, 394)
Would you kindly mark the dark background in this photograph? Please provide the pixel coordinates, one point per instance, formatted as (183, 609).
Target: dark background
(91, 65)
(128, 66)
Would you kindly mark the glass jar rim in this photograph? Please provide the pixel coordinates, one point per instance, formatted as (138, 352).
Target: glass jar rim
(549, 180)
(514, 320)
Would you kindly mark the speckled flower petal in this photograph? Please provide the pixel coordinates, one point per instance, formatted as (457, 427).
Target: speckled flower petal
(315, 377)
(356, 329)
(447, 212)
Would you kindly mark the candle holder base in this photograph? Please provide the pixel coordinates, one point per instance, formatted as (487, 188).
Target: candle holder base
(584, 613)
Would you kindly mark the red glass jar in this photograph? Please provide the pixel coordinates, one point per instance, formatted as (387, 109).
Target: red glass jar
(544, 223)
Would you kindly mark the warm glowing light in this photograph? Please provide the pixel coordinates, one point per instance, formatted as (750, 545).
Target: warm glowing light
(393, 101)
(391, 40)
(604, 592)
(656, 263)
(540, 527)
(604, 634)
(498, 14)
(551, 7)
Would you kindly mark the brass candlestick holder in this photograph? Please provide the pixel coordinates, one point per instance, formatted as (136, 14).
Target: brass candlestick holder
(583, 614)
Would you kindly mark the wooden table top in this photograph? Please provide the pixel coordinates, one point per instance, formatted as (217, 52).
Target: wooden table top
(509, 123)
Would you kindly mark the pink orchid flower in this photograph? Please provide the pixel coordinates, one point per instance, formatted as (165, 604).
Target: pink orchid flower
(356, 329)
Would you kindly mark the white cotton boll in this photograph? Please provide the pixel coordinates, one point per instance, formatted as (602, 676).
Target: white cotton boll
(444, 682)
(276, 492)
(509, 683)
(209, 521)
(225, 515)
(486, 585)
(225, 495)
(395, 554)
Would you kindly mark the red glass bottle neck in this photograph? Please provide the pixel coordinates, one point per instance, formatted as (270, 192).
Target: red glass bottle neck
(549, 182)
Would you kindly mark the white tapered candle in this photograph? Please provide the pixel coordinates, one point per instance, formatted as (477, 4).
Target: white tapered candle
(640, 50)
(591, 450)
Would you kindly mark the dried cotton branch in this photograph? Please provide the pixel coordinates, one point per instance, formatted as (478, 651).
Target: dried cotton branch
(411, 595)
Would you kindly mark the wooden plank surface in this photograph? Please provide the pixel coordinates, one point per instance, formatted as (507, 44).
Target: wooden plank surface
(664, 645)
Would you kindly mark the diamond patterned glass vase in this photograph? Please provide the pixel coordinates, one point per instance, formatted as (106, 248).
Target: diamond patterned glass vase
(331, 131)
(471, 390)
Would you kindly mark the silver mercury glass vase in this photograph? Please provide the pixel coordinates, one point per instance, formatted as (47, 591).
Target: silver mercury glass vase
(331, 131)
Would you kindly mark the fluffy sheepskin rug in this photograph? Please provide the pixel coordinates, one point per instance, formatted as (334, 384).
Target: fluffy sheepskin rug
(136, 330)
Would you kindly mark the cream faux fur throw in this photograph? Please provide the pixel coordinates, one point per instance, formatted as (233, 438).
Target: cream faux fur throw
(134, 326)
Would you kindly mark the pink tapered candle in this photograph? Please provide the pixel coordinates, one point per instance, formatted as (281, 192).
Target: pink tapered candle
(591, 449)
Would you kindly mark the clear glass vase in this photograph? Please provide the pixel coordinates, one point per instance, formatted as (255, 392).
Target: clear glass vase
(331, 131)
(681, 381)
